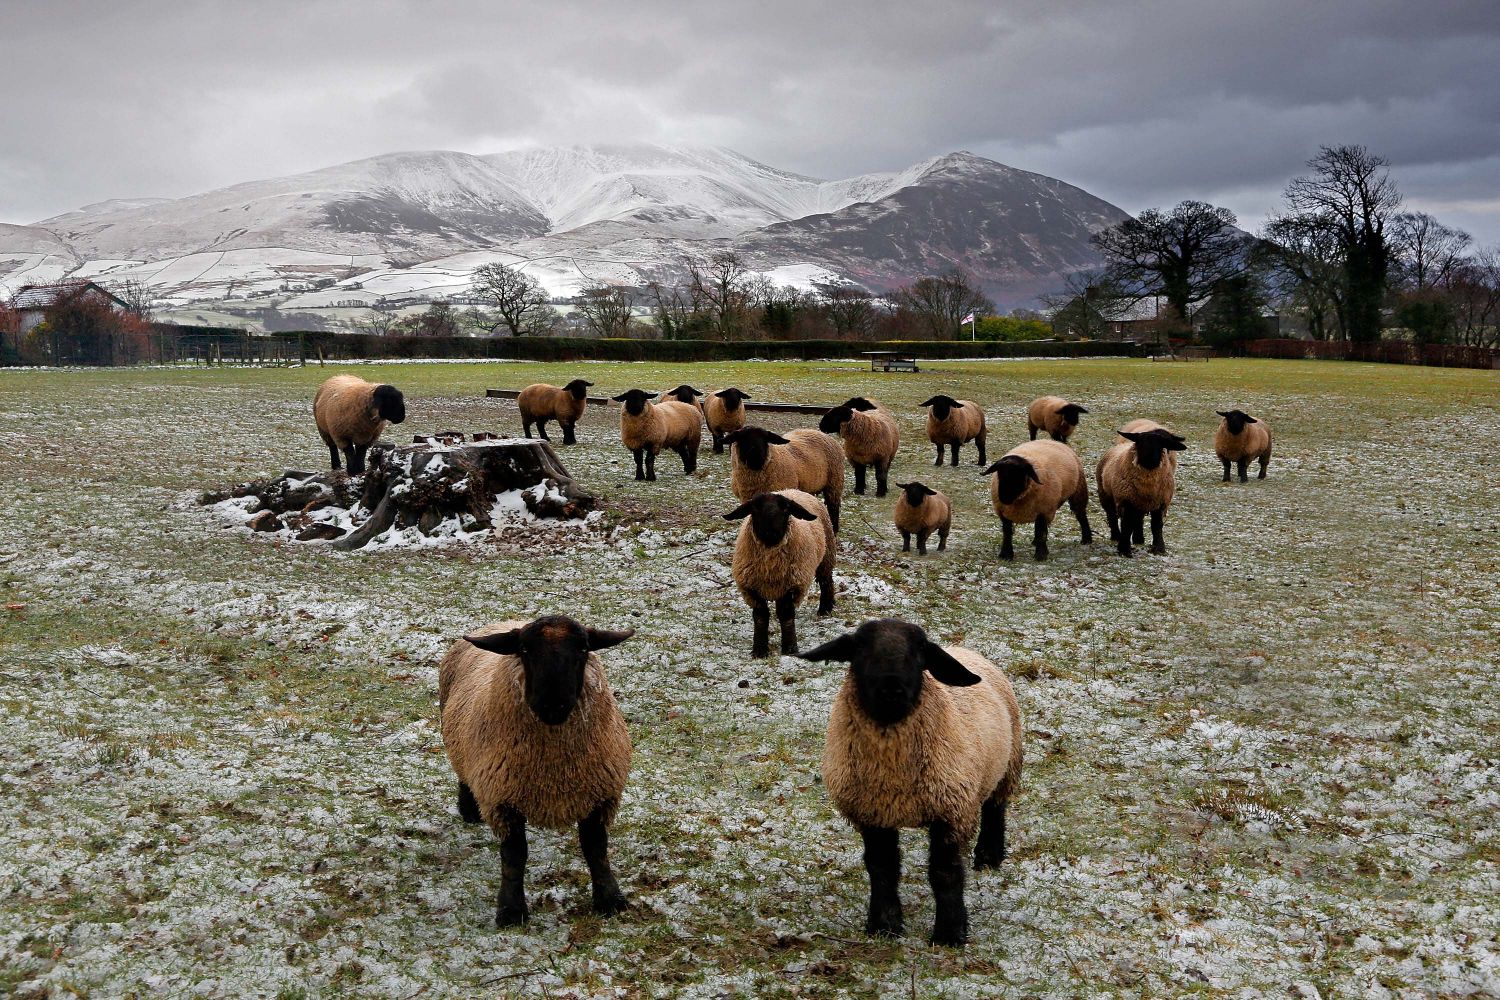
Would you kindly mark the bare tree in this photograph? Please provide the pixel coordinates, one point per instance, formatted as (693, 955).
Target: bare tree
(940, 304)
(1180, 255)
(376, 323)
(1088, 306)
(1303, 253)
(607, 310)
(719, 288)
(1474, 288)
(672, 308)
(850, 310)
(514, 298)
(1427, 250)
(136, 295)
(1350, 192)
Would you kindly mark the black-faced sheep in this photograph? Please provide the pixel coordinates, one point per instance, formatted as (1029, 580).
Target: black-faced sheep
(1138, 477)
(683, 394)
(534, 735)
(648, 428)
(920, 735)
(541, 402)
(725, 412)
(920, 511)
(871, 438)
(786, 543)
(762, 462)
(1055, 415)
(953, 423)
(1030, 482)
(1242, 439)
(351, 413)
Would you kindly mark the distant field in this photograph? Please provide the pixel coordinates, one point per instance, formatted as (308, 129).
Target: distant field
(1264, 763)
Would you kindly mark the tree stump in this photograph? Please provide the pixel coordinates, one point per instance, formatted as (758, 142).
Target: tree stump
(435, 479)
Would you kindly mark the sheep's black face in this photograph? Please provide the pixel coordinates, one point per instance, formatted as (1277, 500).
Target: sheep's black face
(834, 420)
(554, 653)
(859, 403)
(1236, 420)
(577, 388)
(942, 406)
(1012, 475)
(1070, 413)
(731, 398)
(887, 658)
(1150, 446)
(752, 445)
(635, 401)
(389, 403)
(915, 493)
(684, 394)
(769, 515)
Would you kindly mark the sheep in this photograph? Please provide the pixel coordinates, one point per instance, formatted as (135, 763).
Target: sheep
(785, 544)
(533, 733)
(1239, 439)
(920, 735)
(1030, 483)
(683, 394)
(870, 438)
(762, 461)
(725, 413)
(1055, 415)
(541, 402)
(1138, 477)
(646, 428)
(920, 512)
(954, 422)
(351, 413)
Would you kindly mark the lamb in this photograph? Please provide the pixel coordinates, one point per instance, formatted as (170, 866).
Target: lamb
(534, 735)
(920, 512)
(762, 461)
(541, 402)
(351, 413)
(785, 544)
(871, 438)
(724, 413)
(647, 428)
(1055, 415)
(1239, 439)
(1030, 484)
(920, 735)
(954, 422)
(1138, 477)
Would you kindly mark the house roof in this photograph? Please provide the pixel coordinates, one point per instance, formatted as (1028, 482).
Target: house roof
(45, 296)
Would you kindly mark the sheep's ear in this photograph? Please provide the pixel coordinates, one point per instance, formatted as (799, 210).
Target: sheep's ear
(956, 405)
(1177, 444)
(930, 402)
(834, 419)
(1082, 409)
(1222, 413)
(621, 397)
(840, 649)
(1031, 473)
(994, 468)
(943, 667)
(776, 438)
(1130, 435)
(731, 437)
(800, 512)
(928, 490)
(1250, 420)
(903, 486)
(739, 513)
(603, 638)
(746, 395)
(504, 643)
(586, 384)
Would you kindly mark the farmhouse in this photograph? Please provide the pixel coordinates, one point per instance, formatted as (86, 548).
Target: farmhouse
(33, 301)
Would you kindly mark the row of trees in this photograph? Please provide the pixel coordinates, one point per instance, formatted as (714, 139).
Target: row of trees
(1340, 253)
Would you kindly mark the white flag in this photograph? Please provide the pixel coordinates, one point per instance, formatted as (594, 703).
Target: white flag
(967, 319)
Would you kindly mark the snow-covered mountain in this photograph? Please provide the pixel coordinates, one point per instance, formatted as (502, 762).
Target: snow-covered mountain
(411, 225)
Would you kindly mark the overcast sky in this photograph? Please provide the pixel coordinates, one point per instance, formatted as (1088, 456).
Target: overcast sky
(1141, 103)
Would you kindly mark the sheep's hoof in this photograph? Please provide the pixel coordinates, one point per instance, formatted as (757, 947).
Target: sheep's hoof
(883, 929)
(1041, 555)
(950, 937)
(511, 915)
(1007, 555)
(984, 860)
(611, 903)
(1158, 550)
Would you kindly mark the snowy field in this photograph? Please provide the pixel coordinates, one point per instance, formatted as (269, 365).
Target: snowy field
(1264, 765)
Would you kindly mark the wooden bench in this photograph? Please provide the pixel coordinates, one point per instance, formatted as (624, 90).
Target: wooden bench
(891, 361)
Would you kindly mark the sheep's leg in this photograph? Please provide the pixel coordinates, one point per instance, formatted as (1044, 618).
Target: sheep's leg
(939, 461)
(1127, 528)
(859, 478)
(922, 542)
(333, 451)
(883, 863)
(360, 451)
(786, 616)
(833, 511)
(955, 446)
(541, 429)
(352, 462)
(650, 465)
(1226, 469)
(593, 840)
(825, 590)
(1139, 532)
(1007, 537)
(511, 908)
(945, 872)
(568, 435)
(1032, 428)
(989, 851)
(980, 442)
(1265, 460)
(468, 807)
(1111, 517)
(718, 442)
(905, 540)
(882, 472)
(1039, 539)
(943, 538)
(525, 426)
(760, 614)
(689, 458)
(1158, 542)
(1244, 466)
(640, 464)
(1079, 502)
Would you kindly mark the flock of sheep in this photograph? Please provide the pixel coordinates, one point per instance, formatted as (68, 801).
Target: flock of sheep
(920, 735)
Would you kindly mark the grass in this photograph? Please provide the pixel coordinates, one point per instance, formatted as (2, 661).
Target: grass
(1264, 762)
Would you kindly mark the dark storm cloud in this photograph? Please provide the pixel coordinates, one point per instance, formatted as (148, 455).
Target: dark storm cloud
(1142, 103)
